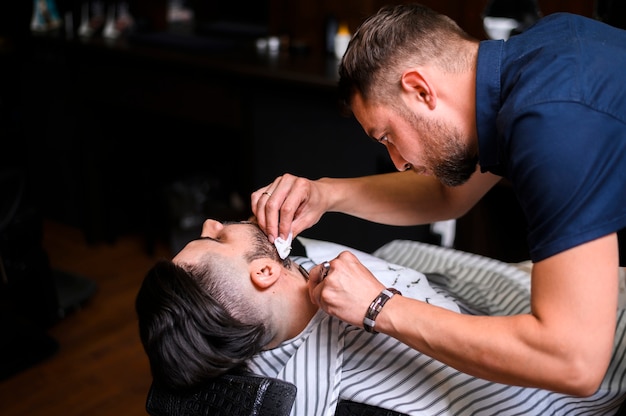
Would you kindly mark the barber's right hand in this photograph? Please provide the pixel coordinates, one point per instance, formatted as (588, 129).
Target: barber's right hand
(289, 204)
(343, 287)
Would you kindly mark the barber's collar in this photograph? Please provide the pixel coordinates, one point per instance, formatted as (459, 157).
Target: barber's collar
(488, 102)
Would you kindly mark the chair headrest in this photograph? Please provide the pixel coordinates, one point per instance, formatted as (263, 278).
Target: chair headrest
(227, 395)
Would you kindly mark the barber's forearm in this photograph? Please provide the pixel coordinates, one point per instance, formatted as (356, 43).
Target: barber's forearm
(514, 350)
(400, 198)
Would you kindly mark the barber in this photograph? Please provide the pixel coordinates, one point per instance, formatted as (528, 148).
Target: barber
(545, 110)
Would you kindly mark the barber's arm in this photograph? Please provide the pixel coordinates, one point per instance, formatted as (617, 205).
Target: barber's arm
(294, 204)
(564, 345)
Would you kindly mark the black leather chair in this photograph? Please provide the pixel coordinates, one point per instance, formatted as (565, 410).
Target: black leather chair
(240, 395)
(228, 395)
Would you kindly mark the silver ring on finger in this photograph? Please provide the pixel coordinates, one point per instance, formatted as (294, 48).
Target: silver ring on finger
(325, 270)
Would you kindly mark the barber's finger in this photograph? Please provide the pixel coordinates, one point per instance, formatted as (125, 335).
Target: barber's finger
(316, 276)
(255, 197)
(319, 273)
(281, 206)
(272, 203)
(296, 214)
(324, 270)
(258, 200)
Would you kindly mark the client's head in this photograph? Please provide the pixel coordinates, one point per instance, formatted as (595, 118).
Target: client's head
(223, 298)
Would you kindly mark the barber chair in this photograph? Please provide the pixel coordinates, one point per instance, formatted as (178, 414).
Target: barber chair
(227, 395)
(240, 395)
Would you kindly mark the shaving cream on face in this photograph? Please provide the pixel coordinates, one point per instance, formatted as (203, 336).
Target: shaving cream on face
(283, 245)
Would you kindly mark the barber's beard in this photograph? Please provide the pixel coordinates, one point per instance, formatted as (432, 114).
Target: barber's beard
(457, 166)
(451, 160)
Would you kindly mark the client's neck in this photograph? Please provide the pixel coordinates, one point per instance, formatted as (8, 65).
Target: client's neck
(295, 309)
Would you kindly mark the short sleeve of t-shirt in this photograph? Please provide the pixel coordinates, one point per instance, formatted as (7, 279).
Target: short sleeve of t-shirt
(568, 167)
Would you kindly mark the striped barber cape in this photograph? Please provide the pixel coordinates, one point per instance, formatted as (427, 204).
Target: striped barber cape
(331, 360)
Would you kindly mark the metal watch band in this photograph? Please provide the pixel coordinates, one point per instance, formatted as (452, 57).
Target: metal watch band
(376, 306)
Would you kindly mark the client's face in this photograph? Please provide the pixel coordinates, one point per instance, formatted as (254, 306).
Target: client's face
(231, 239)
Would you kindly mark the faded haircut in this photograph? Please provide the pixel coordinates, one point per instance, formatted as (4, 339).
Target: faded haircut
(395, 38)
(195, 324)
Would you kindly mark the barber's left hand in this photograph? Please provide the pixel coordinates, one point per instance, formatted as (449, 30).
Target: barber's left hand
(347, 290)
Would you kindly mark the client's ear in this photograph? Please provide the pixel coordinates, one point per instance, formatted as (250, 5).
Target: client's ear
(264, 272)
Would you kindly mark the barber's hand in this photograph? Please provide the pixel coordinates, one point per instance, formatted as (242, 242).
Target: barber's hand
(289, 204)
(346, 290)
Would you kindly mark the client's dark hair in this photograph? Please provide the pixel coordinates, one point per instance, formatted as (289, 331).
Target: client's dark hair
(190, 333)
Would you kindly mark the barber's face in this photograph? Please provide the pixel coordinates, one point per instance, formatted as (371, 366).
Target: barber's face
(447, 154)
(427, 146)
(230, 239)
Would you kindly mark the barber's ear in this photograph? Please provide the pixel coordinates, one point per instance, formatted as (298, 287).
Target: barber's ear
(416, 84)
(264, 272)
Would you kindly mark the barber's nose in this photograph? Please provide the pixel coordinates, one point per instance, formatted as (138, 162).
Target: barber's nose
(398, 161)
(211, 228)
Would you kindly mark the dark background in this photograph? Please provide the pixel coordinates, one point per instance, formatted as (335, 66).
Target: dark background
(146, 135)
(151, 132)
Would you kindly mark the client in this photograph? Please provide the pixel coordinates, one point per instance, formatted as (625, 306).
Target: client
(227, 301)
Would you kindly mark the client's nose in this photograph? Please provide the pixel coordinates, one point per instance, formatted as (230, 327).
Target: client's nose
(211, 228)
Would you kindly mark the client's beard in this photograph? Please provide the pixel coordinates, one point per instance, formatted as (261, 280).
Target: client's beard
(261, 248)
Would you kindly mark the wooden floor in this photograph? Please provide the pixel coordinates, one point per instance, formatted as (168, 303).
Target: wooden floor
(100, 367)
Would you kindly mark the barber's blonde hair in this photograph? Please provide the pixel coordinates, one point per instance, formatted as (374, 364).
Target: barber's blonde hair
(396, 38)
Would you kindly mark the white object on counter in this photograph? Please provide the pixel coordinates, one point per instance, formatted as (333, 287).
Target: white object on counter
(342, 38)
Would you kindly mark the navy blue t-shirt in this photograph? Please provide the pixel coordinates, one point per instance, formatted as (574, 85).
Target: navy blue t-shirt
(551, 118)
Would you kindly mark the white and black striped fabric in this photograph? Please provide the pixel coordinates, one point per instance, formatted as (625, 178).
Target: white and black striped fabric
(331, 360)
